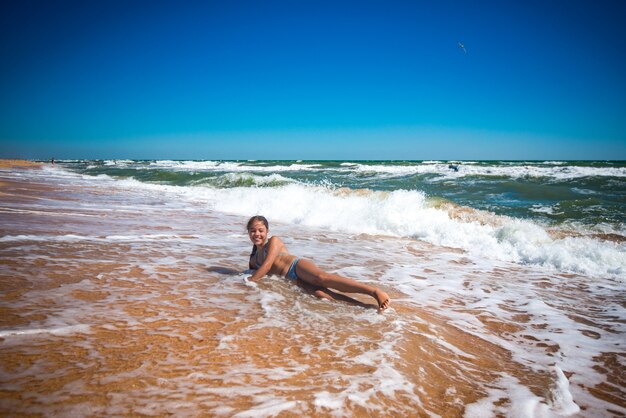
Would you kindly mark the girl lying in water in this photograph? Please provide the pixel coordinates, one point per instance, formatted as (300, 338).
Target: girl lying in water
(271, 257)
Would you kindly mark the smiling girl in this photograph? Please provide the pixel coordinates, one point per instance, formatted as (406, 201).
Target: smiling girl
(271, 257)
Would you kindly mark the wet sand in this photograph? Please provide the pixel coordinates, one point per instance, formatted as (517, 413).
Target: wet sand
(13, 164)
(115, 304)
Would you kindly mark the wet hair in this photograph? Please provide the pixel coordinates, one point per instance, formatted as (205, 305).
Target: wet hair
(252, 220)
(257, 218)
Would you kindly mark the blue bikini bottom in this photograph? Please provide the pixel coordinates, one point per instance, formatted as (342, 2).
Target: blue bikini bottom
(292, 269)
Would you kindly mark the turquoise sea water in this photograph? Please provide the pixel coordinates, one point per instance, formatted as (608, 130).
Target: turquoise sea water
(589, 193)
(500, 302)
(566, 215)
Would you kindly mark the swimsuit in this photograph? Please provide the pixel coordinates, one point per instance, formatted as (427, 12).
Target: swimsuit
(292, 269)
(256, 256)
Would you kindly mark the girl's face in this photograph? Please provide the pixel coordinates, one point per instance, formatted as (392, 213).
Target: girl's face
(257, 233)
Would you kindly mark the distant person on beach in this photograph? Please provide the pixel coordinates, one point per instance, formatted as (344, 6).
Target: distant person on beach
(271, 257)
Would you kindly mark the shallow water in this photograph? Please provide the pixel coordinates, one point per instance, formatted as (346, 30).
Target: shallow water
(562, 215)
(118, 300)
(581, 194)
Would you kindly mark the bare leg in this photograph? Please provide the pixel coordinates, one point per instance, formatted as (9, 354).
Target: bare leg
(310, 273)
(320, 292)
(324, 293)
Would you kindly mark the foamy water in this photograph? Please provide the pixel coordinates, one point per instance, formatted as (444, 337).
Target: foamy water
(410, 214)
(548, 169)
(567, 217)
(127, 298)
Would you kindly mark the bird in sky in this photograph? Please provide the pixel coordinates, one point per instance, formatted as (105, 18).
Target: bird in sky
(462, 47)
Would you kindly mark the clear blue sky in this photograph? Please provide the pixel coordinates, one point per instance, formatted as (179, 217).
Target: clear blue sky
(313, 80)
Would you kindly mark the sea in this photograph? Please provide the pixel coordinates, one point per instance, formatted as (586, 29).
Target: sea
(125, 291)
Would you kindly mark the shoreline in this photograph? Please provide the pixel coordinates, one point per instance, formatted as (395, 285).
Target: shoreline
(7, 163)
(120, 297)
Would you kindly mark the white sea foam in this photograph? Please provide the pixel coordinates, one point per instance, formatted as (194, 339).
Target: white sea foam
(562, 399)
(401, 213)
(58, 331)
(556, 170)
(554, 162)
(583, 191)
(544, 209)
(42, 212)
(270, 408)
(118, 162)
(230, 166)
(234, 179)
(275, 305)
(516, 170)
(522, 402)
(75, 238)
(408, 214)
(404, 213)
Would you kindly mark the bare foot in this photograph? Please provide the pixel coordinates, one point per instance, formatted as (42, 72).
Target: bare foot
(382, 298)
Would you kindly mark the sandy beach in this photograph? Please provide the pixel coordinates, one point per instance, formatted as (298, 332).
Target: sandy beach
(8, 163)
(466, 159)
(118, 303)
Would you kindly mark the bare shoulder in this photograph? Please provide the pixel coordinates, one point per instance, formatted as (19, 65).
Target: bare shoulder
(275, 241)
(277, 244)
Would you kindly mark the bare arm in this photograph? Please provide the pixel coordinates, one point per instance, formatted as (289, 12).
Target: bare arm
(273, 248)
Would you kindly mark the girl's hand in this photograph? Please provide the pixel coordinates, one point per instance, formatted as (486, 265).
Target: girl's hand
(274, 245)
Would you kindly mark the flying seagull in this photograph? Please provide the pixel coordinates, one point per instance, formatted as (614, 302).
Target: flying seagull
(462, 47)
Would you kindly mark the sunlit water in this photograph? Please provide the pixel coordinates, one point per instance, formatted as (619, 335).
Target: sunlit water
(119, 299)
